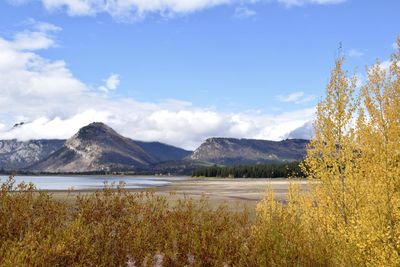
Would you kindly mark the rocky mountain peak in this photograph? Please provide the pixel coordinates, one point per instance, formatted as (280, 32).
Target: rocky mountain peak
(95, 130)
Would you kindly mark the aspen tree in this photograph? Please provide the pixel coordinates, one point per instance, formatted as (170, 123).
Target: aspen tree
(315, 226)
(336, 188)
(379, 140)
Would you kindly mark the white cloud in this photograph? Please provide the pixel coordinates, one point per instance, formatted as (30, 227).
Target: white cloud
(130, 8)
(244, 12)
(43, 26)
(29, 81)
(55, 104)
(293, 97)
(296, 97)
(32, 41)
(127, 10)
(306, 131)
(355, 53)
(111, 83)
(57, 128)
(41, 37)
(292, 3)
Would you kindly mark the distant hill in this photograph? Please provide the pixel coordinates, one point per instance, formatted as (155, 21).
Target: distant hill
(97, 147)
(16, 155)
(231, 151)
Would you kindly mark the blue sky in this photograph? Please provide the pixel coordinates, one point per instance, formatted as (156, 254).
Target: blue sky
(247, 62)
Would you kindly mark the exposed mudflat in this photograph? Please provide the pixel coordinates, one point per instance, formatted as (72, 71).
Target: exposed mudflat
(236, 193)
(241, 191)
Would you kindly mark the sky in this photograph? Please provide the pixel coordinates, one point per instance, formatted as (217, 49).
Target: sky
(180, 71)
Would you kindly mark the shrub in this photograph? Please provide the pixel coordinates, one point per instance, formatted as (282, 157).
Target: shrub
(113, 227)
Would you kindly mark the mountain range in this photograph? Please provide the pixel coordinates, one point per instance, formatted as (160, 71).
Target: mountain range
(231, 151)
(98, 148)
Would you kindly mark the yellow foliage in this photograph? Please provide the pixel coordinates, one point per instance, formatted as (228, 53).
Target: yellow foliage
(350, 216)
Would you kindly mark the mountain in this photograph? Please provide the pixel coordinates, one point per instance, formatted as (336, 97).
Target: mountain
(16, 155)
(163, 152)
(97, 147)
(230, 151)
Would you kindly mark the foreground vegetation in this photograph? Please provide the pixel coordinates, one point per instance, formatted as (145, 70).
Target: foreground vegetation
(287, 169)
(349, 216)
(114, 227)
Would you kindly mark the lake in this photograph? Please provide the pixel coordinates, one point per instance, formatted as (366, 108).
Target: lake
(85, 182)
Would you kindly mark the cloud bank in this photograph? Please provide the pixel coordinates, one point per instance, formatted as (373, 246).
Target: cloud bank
(54, 103)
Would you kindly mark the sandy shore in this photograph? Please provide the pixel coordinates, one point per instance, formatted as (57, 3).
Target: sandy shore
(234, 192)
(231, 191)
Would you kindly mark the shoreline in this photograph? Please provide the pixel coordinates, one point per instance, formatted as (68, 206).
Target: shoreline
(235, 192)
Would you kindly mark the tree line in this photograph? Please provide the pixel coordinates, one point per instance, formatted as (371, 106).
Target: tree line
(276, 170)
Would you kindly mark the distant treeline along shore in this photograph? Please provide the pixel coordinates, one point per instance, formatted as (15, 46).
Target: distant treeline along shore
(277, 170)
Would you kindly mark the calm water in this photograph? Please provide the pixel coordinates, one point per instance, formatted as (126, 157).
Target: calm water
(93, 181)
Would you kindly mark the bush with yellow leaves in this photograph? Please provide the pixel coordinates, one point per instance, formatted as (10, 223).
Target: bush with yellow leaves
(350, 215)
